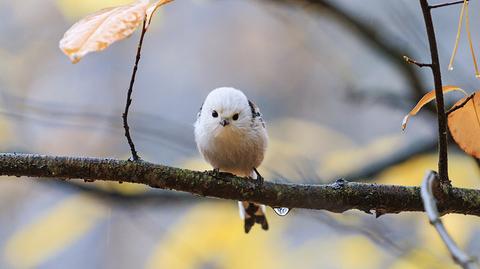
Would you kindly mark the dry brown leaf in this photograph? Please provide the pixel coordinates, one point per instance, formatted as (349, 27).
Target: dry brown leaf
(464, 125)
(425, 100)
(99, 30)
(152, 8)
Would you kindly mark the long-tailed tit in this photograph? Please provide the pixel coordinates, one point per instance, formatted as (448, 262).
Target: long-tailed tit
(231, 135)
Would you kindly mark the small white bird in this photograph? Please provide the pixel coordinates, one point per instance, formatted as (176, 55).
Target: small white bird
(231, 135)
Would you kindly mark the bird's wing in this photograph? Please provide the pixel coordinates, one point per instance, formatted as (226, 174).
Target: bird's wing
(256, 115)
(199, 111)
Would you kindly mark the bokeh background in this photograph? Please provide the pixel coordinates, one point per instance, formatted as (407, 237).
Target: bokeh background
(331, 85)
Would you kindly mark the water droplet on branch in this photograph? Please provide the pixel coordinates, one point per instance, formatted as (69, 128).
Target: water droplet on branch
(281, 211)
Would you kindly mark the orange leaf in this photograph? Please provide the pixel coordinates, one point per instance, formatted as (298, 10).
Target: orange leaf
(464, 125)
(425, 100)
(152, 8)
(99, 30)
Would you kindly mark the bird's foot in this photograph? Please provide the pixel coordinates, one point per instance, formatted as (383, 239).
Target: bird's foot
(217, 174)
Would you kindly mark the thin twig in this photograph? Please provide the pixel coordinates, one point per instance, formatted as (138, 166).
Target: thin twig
(430, 205)
(412, 61)
(135, 156)
(446, 4)
(462, 104)
(437, 77)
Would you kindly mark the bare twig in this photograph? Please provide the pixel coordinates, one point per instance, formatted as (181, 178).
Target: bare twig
(437, 77)
(135, 156)
(432, 211)
(462, 104)
(446, 4)
(411, 61)
(337, 197)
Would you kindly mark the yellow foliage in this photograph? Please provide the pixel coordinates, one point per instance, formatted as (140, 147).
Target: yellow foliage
(463, 171)
(5, 131)
(124, 188)
(421, 258)
(212, 233)
(341, 162)
(56, 229)
(73, 9)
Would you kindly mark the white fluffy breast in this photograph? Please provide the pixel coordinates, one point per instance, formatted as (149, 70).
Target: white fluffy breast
(236, 152)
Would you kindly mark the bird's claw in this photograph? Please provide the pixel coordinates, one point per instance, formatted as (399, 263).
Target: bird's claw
(259, 179)
(214, 173)
(217, 174)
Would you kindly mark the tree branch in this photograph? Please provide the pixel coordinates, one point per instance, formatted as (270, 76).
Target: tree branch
(447, 4)
(337, 197)
(135, 156)
(437, 77)
(429, 202)
(412, 61)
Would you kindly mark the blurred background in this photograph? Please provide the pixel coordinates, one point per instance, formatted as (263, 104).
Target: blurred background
(332, 86)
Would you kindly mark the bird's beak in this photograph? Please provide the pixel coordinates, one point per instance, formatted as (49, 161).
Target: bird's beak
(224, 123)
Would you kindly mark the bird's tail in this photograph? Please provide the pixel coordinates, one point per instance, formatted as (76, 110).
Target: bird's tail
(252, 213)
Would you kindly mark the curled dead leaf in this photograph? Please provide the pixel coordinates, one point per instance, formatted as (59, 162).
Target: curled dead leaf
(425, 100)
(151, 10)
(464, 124)
(99, 30)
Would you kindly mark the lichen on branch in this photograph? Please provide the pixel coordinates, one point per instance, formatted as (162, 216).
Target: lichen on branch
(337, 197)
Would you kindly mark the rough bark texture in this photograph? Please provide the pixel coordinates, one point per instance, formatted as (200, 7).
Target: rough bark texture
(336, 197)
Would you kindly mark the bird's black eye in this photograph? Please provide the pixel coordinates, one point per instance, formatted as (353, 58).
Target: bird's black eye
(235, 117)
(214, 114)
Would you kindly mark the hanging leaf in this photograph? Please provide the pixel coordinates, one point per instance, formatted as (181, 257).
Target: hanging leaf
(99, 30)
(425, 100)
(464, 125)
(151, 10)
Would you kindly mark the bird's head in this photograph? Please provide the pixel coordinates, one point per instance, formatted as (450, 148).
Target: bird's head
(225, 110)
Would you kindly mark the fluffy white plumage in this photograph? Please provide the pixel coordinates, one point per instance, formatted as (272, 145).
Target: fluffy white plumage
(231, 136)
(237, 147)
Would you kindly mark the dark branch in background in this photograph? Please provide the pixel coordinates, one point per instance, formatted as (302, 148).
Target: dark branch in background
(373, 167)
(380, 239)
(156, 197)
(370, 35)
(447, 4)
(337, 197)
(437, 77)
(135, 156)
(429, 203)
